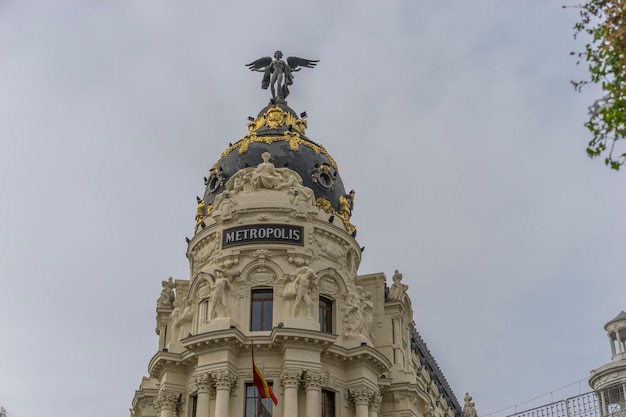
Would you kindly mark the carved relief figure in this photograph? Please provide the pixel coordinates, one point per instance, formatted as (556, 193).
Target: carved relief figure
(398, 289)
(182, 317)
(305, 278)
(227, 207)
(353, 315)
(223, 292)
(167, 297)
(302, 198)
(368, 316)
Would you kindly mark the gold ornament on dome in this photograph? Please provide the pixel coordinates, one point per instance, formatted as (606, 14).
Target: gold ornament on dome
(275, 117)
(344, 214)
(294, 142)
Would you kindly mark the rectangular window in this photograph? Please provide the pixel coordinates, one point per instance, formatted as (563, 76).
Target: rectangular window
(256, 406)
(328, 403)
(261, 310)
(326, 315)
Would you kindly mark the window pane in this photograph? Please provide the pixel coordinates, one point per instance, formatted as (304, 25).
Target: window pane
(255, 406)
(261, 310)
(328, 403)
(268, 306)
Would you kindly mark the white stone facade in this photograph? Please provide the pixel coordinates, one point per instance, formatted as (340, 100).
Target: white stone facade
(271, 270)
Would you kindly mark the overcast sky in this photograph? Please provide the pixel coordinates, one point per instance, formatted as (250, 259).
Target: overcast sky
(454, 122)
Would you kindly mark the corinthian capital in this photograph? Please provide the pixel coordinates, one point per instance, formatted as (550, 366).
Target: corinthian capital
(224, 379)
(166, 400)
(361, 394)
(204, 381)
(290, 377)
(314, 379)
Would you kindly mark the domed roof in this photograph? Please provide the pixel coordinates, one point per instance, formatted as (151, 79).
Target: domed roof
(279, 131)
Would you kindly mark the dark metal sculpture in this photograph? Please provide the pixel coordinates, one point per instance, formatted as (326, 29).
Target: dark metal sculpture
(278, 73)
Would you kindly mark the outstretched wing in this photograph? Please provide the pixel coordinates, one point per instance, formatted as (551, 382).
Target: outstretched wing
(295, 62)
(259, 63)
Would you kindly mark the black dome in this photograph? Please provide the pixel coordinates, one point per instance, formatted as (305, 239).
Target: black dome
(279, 131)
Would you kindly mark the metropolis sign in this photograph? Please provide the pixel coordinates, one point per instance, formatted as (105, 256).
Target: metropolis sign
(270, 233)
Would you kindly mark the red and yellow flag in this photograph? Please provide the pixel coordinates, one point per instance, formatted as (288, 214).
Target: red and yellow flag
(261, 384)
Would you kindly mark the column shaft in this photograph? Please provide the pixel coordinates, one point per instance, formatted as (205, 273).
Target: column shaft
(313, 402)
(362, 409)
(222, 397)
(204, 399)
(290, 408)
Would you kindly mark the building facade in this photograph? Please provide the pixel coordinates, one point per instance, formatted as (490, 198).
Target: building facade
(273, 268)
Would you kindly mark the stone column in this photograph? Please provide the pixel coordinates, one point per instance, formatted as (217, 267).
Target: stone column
(204, 383)
(361, 396)
(290, 380)
(613, 352)
(166, 403)
(603, 405)
(313, 382)
(223, 381)
(375, 404)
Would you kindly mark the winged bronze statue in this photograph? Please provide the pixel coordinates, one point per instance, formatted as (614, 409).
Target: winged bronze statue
(278, 74)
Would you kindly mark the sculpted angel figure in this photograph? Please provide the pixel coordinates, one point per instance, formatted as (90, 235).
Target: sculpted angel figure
(278, 74)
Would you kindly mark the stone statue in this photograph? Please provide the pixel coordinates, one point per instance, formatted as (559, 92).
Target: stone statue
(182, 317)
(469, 409)
(167, 297)
(367, 329)
(353, 313)
(220, 301)
(265, 174)
(278, 74)
(305, 278)
(264, 177)
(398, 289)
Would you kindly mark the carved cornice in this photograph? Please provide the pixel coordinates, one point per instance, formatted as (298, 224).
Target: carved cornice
(166, 400)
(232, 338)
(290, 378)
(162, 361)
(224, 379)
(360, 355)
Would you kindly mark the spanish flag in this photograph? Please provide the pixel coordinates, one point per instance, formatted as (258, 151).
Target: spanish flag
(260, 383)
